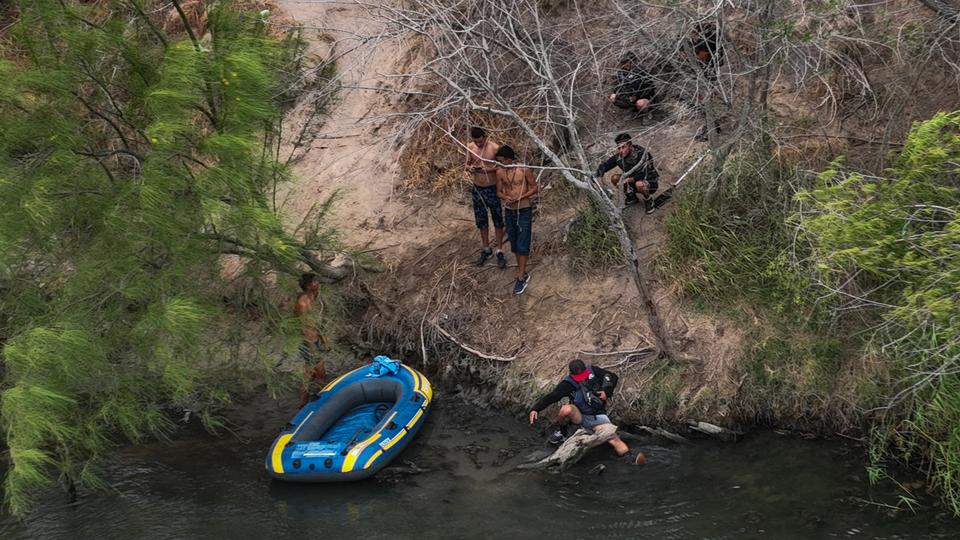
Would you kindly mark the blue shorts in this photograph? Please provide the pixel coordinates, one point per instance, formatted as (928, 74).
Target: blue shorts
(594, 420)
(485, 198)
(519, 229)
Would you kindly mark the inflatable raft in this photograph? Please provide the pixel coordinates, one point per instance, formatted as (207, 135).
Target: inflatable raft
(357, 424)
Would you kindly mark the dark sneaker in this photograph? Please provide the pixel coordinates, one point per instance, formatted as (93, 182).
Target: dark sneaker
(631, 199)
(648, 205)
(521, 284)
(484, 255)
(557, 438)
(501, 260)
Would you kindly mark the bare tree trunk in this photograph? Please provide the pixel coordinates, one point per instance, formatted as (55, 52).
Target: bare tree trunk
(660, 339)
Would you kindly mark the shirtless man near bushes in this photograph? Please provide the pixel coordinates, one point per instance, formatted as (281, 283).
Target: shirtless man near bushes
(479, 163)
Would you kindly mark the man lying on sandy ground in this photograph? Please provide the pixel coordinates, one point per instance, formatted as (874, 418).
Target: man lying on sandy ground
(484, 192)
(314, 372)
(516, 186)
(637, 171)
(588, 389)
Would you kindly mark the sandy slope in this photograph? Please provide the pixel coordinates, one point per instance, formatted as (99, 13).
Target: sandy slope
(355, 151)
(429, 242)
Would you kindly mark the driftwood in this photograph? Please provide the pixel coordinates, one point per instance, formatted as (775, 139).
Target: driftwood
(471, 350)
(574, 448)
(673, 437)
(721, 433)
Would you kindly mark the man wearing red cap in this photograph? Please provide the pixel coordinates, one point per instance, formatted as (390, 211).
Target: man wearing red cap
(588, 388)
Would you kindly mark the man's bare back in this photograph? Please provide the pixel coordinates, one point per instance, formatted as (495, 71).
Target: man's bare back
(303, 307)
(484, 173)
(314, 371)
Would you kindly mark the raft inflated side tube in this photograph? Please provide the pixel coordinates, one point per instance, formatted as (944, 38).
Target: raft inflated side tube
(308, 450)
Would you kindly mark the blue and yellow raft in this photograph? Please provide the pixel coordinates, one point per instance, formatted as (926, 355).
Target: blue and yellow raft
(357, 424)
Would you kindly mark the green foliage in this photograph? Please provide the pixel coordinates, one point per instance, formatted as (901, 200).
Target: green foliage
(659, 391)
(131, 161)
(880, 252)
(738, 243)
(591, 240)
(789, 376)
(891, 244)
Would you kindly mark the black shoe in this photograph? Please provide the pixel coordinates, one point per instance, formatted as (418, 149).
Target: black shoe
(521, 284)
(631, 199)
(558, 436)
(648, 205)
(501, 260)
(484, 255)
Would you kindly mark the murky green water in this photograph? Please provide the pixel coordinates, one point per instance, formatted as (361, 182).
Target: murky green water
(767, 486)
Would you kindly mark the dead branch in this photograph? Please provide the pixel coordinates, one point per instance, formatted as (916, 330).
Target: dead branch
(721, 433)
(673, 437)
(471, 350)
(574, 448)
(615, 353)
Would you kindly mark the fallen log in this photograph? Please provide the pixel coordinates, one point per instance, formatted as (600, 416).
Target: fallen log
(721, 433)
(672, 437)
(574, 448)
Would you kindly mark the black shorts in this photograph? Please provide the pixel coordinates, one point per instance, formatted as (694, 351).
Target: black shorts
(652, 186)
(485, 199)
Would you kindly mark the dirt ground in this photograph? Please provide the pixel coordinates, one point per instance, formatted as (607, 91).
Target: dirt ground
(428, 241)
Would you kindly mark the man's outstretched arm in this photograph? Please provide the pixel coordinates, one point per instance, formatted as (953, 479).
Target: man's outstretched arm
(562, 389)
(607, 165)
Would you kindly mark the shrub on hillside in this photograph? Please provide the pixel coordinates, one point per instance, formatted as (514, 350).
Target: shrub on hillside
(890, 245)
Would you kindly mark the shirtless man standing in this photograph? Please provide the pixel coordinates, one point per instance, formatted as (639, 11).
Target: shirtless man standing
(313, 369)
(484, 192)
(515, 187)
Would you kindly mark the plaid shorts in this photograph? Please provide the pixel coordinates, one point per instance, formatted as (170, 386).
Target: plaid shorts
(485, 198)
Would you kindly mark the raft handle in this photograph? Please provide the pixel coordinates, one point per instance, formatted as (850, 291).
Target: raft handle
(351, 441)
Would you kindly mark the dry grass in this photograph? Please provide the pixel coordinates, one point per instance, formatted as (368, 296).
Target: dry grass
(165, 16)
(432, 158)
(8, 16)
(169, 20)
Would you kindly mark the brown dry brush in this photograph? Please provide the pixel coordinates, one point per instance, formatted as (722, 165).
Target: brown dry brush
(495, 58)
(164, 13)
(417, 339)
(803, 80)
(432, 159)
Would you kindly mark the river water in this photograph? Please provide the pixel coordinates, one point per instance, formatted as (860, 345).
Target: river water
(766, 486)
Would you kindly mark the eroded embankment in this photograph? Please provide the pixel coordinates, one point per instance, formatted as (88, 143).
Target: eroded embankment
(434, 306)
